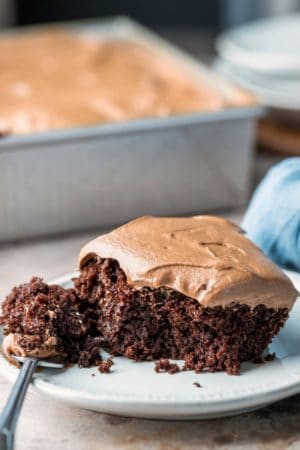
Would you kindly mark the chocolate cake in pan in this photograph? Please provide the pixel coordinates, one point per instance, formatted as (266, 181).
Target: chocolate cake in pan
(85, 101)
(56, 79)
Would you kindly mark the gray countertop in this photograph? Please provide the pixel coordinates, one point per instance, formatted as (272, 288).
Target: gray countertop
(46, 424)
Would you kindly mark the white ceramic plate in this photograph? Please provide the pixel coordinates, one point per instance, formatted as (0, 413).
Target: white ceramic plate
(134, 389)
(266, 46)
(273, 91)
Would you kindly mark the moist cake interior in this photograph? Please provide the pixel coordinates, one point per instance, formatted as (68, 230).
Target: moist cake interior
(149, 324)
(104, 311)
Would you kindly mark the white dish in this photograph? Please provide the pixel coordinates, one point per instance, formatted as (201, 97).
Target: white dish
(273, 91)
(267, 46)
(134, 389)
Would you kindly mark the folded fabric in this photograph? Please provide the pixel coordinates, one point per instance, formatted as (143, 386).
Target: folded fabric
(272, 220)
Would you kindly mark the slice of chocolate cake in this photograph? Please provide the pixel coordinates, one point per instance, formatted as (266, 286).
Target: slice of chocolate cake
(184, 288)
(194, 289)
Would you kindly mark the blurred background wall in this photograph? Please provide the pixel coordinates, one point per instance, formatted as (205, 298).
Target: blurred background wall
(212, 14)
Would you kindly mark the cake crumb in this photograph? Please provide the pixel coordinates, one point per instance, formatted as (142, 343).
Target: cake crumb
(258, 360)
(164, 365)
(105, 366)
(93, 375)
(270, 356)
(198, 385)
(263, 359)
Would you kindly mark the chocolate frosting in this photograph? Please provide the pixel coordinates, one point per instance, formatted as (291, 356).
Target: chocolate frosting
(54, 79)
(204, 257)
(11, 346)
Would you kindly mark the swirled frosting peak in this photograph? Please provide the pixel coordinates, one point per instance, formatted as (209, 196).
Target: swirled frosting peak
(204, 257)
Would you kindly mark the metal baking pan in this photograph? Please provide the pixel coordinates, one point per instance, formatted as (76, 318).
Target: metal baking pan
(98, 176)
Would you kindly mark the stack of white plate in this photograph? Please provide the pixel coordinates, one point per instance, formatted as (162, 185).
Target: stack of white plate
(264, 57)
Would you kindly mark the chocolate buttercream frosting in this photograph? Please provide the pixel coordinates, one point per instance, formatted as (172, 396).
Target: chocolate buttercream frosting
(12, 346)
(54, 79)
(204, 257)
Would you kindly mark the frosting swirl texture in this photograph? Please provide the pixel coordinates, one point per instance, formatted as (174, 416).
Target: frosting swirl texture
(204, 257)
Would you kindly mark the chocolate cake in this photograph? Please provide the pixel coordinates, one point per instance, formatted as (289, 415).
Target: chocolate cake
(41, 319)
(46, 321)
(53, 79)
(194, 289)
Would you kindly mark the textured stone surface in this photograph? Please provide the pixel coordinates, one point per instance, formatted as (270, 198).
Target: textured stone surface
(46, 424)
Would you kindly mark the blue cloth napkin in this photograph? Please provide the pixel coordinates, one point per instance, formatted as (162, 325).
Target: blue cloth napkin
(272, 220)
